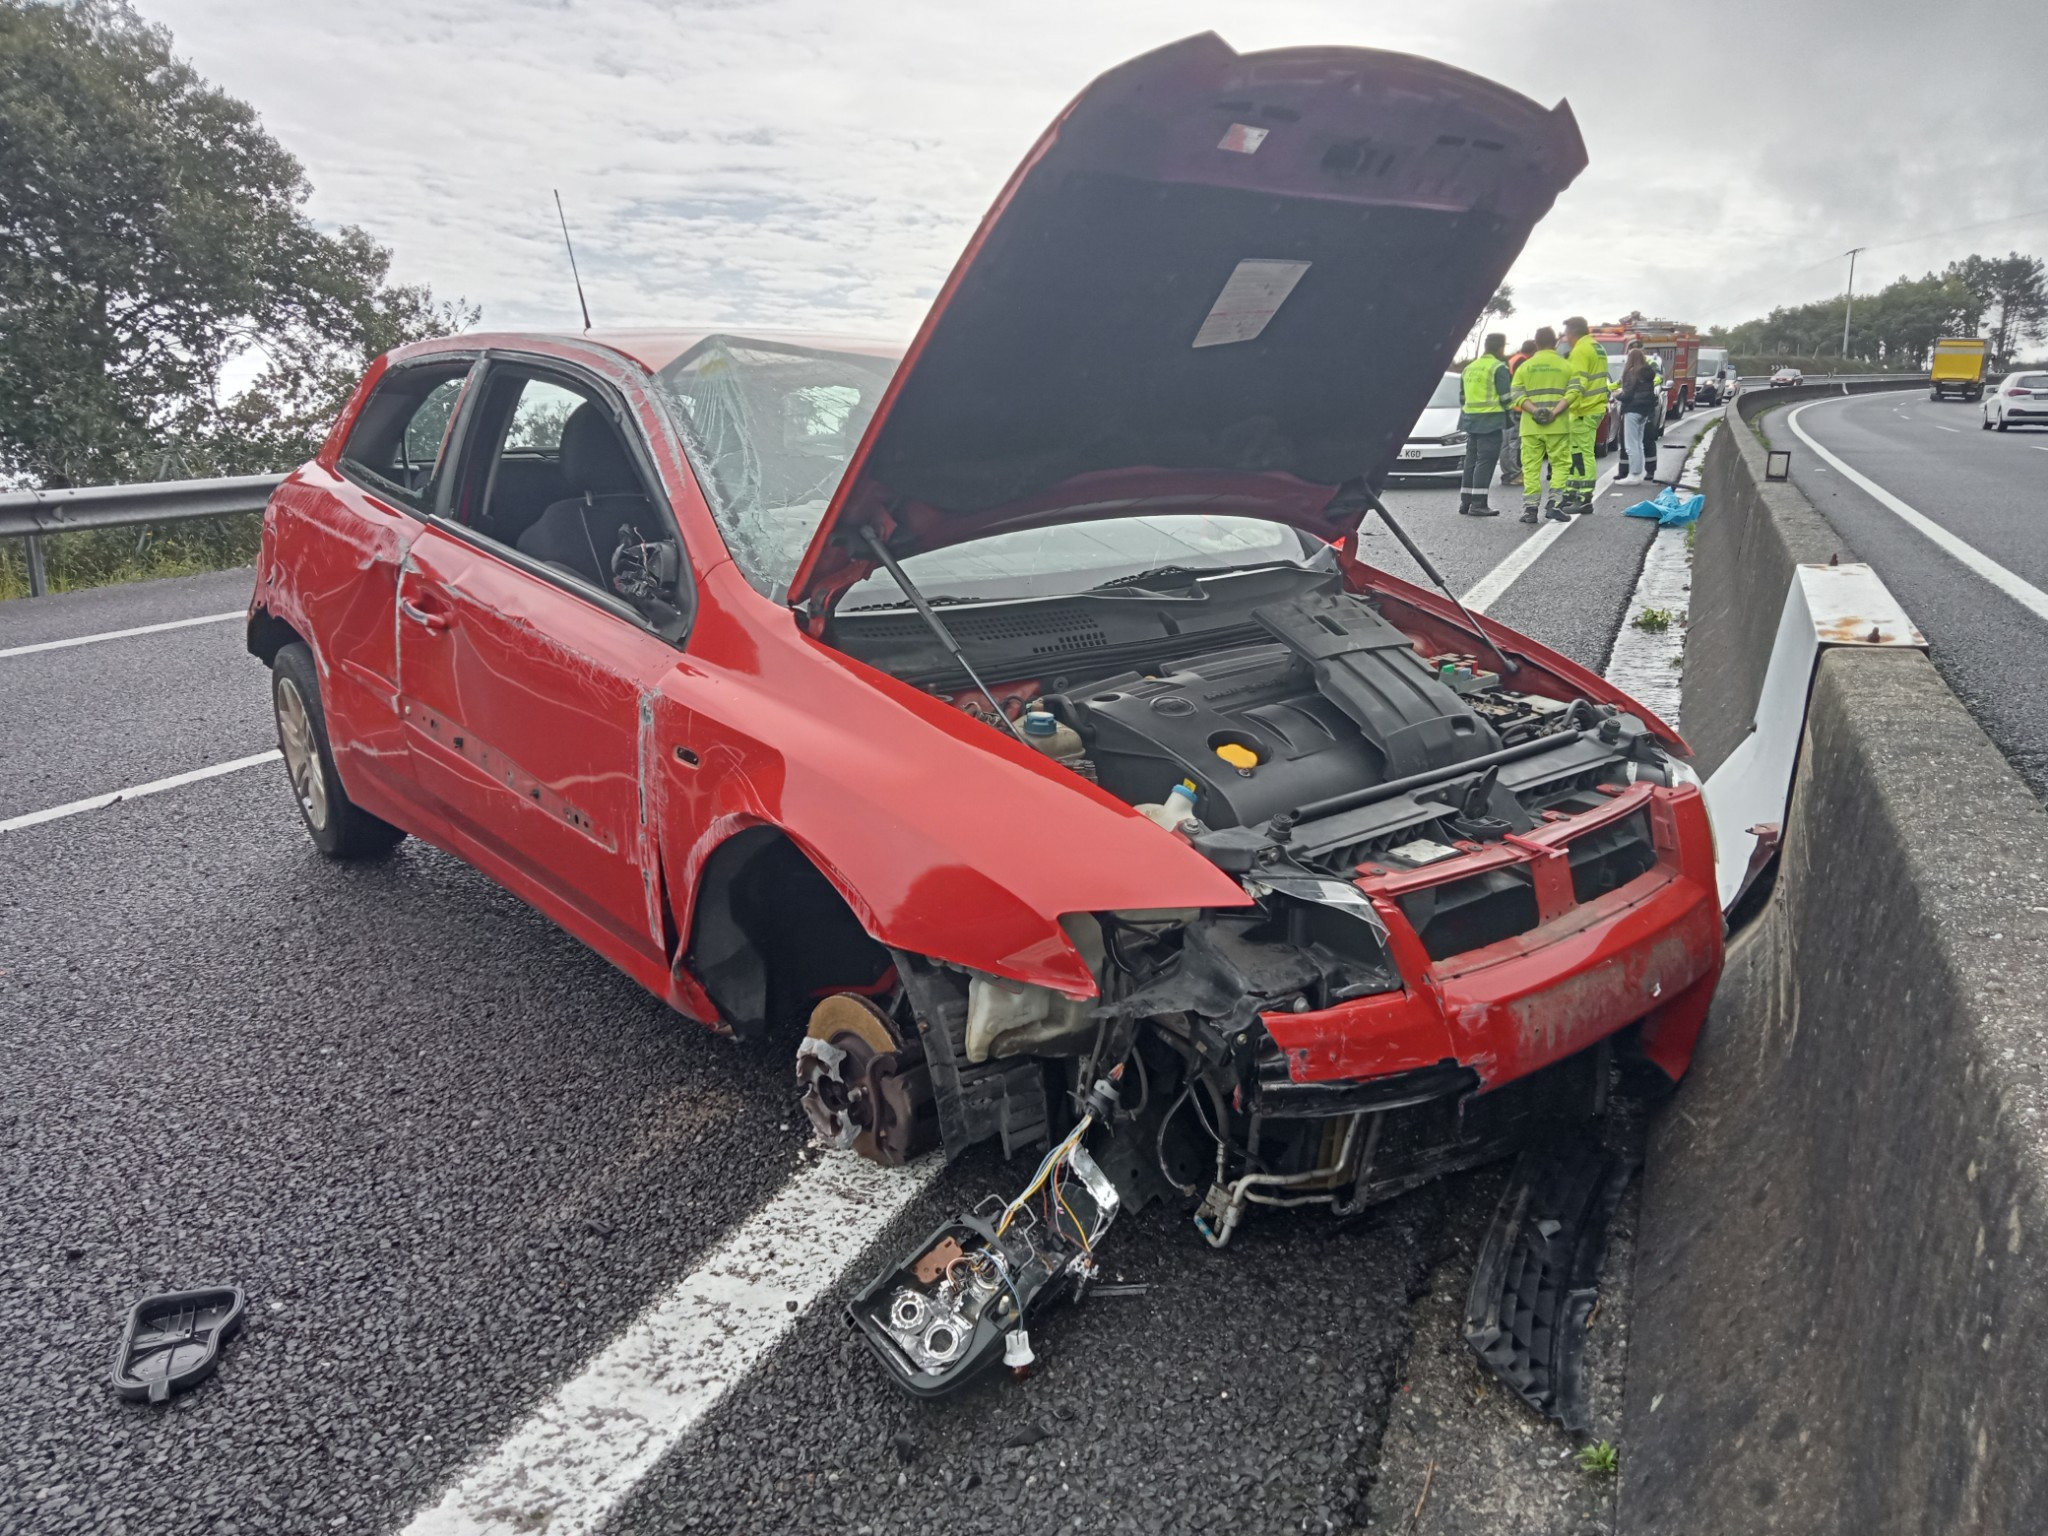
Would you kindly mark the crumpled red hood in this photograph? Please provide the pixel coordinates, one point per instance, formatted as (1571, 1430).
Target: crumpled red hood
(1219, 282)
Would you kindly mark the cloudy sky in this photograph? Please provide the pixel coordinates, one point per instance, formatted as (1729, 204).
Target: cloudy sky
(821, 162)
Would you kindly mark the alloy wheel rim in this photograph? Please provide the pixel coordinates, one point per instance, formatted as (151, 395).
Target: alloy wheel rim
(301, 756)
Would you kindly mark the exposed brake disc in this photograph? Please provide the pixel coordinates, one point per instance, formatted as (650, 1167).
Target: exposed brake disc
(864, 1087)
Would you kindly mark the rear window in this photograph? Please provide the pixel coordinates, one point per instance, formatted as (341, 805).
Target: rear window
(398, 438)
(2031, 381)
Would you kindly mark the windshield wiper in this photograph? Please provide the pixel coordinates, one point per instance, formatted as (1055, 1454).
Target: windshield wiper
(1137, 578)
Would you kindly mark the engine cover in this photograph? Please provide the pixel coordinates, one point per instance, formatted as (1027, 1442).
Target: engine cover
(1339, 701)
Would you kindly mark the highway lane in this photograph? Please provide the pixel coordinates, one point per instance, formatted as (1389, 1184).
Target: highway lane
(1988, 489)
(450, 1154)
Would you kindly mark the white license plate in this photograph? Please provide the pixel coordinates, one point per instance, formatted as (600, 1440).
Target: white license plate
(1411, 453)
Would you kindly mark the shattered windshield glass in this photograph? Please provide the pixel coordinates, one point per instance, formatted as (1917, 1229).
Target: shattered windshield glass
(769, 428)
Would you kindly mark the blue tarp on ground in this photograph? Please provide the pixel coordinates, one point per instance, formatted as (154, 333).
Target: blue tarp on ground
(1669, 508)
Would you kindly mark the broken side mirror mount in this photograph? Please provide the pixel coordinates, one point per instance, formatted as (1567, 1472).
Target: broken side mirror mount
(647, 573)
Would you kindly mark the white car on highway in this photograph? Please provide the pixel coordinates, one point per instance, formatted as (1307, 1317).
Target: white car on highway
(2018, 400)
(1435, 450)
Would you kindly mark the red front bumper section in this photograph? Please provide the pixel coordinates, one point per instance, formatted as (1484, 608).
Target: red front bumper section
(1649, 950)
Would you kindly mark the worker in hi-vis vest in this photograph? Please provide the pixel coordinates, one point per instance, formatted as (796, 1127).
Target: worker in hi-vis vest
(1539, 395)
(1589, 390)
(1486, 383)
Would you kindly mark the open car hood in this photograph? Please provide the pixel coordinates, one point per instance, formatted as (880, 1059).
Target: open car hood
(1220, 282)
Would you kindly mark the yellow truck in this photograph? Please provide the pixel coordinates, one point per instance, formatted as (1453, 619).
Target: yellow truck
(1959, 367)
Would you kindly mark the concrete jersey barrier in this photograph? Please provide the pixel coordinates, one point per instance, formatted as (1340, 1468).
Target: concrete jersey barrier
(1842, 1288)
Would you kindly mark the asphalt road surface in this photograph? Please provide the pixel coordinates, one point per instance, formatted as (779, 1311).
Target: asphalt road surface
(1988, 490)
(451, 1156)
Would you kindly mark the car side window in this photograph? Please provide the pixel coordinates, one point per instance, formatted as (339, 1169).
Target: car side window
(549, 474)
(401, 434)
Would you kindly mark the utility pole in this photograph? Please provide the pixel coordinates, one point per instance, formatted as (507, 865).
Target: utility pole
(1849, 305)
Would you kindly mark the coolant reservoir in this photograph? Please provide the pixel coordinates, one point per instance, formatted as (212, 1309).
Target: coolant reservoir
(1045, 731)
(1178, 807)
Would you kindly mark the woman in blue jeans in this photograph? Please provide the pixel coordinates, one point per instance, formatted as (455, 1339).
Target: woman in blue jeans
(1638, 406)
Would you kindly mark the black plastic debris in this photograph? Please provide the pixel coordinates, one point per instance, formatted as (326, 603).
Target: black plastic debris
(1534, 1286)
(173, 1341)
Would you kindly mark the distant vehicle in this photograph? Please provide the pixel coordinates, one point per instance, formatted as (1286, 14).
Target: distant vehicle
(1672, 345)
(2017, 400)
(1787, 376)
(1435, 450)
(1959, 365)
(1715, 383)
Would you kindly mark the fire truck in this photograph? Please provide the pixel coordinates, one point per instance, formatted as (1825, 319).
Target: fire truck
(1673, 346)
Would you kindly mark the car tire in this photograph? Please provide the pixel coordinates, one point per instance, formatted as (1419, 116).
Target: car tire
(1984, 422)
(339, 827)
(2001, 423)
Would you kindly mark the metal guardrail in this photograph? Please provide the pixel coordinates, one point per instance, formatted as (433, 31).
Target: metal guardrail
(29, 515)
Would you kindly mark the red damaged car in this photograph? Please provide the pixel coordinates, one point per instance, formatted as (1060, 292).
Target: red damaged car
(1011, 724)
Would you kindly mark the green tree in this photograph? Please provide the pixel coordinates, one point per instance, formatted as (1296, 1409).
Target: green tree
(1501, 306)
(2011, 295)
(1897, 325)
(150, 232)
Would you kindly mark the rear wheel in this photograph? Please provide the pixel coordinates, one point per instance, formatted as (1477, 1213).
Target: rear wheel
(340, 828)
(2001, 422)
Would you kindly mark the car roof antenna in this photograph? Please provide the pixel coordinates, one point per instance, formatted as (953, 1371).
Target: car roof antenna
(935, 624)
(1360, 488)
(581, 302)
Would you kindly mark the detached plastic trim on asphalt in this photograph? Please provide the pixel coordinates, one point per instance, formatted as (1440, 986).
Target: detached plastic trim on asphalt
(120, 634)
(2017, 588)
(135, 792)
(583, 1450)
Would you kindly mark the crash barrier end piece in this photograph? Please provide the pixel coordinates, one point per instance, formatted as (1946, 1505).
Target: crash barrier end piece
(1825, 606)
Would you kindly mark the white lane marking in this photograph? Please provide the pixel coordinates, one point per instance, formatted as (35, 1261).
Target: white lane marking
(2020, 590)
(135, 792)
(1940, 428)
(1489, 589)
(120, 634)
(565, 1468)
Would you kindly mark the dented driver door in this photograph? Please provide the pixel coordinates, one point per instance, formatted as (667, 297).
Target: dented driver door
(522, 703)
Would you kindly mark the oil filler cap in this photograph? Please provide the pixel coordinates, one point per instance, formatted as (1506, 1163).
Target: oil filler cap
(1240, 758)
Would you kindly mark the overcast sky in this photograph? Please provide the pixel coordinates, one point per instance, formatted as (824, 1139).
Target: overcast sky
(821, 162)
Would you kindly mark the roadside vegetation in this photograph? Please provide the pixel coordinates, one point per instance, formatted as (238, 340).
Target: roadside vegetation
(153, 237)
(1600, 1459)
(1894, 328)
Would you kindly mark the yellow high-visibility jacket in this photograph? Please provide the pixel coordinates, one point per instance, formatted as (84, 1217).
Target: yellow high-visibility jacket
(1589, 386)
(1542, 380)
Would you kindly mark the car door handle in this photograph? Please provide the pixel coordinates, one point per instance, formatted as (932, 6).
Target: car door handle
(421, 617)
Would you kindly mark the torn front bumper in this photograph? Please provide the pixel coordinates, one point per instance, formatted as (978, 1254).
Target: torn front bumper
(1590, 963)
